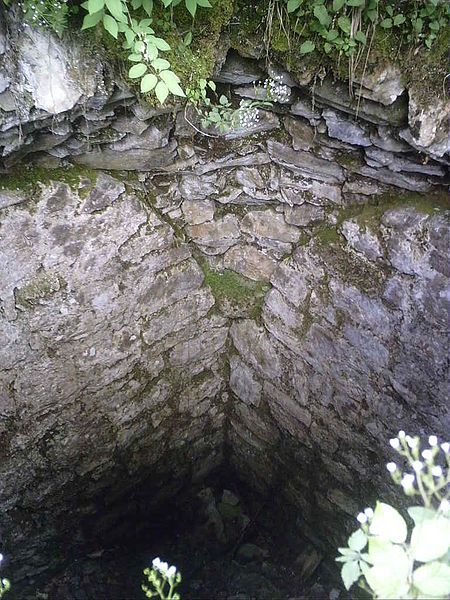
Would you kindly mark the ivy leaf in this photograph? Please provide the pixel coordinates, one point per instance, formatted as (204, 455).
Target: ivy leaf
(137, 71)
(95, 5)
(430, 539)
(147, 5)
(307, 47)
(350, 573)
(337, 5)
(292, 5)
(148, 82)
(399, 19)
(321, 14)
(345, 24)
(116, 9)
(388, 524)
(110, 25)
(172, 82)
(92, 20)
(433, 579)
(357, 540)
(161, 91)
(191, 5)
(386, 23)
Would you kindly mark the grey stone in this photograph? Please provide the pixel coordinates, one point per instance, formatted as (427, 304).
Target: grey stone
(429, 126)
(304, 215)
(199, 348)
(243, 382)
(269, 224)
(250, 262)
(286, 410)
(259, 158)
(128, 124)
(131, 160)
(238, 70)
(303, 108)
(305, 163)
(150, 139)
(363, 241)
(220, 234)
(291, 283)
(386, 140)
(193, 187)
(345, 130)
(382, 84)
(388, 177)
(267, 121)
(381, 158)
(302, 133)
(106, 191)
(254, 346)
(198, 211)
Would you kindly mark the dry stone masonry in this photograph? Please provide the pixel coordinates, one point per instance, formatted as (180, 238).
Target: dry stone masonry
(277, 298)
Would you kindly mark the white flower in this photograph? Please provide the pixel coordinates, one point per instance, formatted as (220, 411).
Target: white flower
(1, 557)
(427, 454)
(171, 571)
(436, 471)
(368, 512)
(391, 467)
(362, 518)
(445, 447)
(444, 506)
(401, 434)
(407, 481)
(417, 465)
(160, 565)
(432, 440)
(394, 443)
(4, 581)
(412, 442)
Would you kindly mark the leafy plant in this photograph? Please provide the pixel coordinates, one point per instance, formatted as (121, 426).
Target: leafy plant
(163, 581)
(381, 555)
(45, 13)
(4, 583)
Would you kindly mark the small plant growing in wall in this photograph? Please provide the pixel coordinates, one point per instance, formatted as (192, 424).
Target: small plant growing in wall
(4, 583)
(388, 558)
(162, 581)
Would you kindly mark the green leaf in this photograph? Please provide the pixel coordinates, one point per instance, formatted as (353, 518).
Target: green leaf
(338, 4)
(161, 44)
(147, 5)
(388, 524)
(171, 80)
(223, 100)
(95, 5)
(135, 57)
(116, 9)
(212, 85)
(345, 24)
(137, 71)
(355, 3)
(110, 25)
(161, 91)
(399, 19)
(332, 35)
(307, 47)
(327, 47)
(188, 39)
(204, 3)
(152, 52)
(321, 14)
(191, 5)
(350, 573)
(388, 578)
(92, 20)
(434, 25)
(160, 64)
(418, 25)
(136, 4)
(390, 10)
(148, 82)
(292, 5)
(433, 579)
(386, 23)
(420, 513)
(430, 539)
(357, 540)
(360, 36)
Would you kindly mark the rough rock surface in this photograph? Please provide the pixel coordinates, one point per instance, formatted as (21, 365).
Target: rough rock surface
(284, 298)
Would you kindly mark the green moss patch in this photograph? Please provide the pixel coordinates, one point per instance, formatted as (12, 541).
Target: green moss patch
(28, 179)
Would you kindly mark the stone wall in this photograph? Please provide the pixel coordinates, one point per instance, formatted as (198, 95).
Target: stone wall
(279, 293)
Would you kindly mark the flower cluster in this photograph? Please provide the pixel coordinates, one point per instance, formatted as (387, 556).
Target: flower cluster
(248, 116)
(276, 90)
(46, 13)
(164, 568)
(427, 479)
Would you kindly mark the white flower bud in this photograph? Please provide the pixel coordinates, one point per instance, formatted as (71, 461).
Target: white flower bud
(427, 454)
(445, 447)
(391, 467)
(408, 481)
(368, 512)
(412, 442)
(417, 465)
(444, 506)
(171, 571)
(436, 471)
(401, 434)
(394, 443)
(432, 440)
(362, 518)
